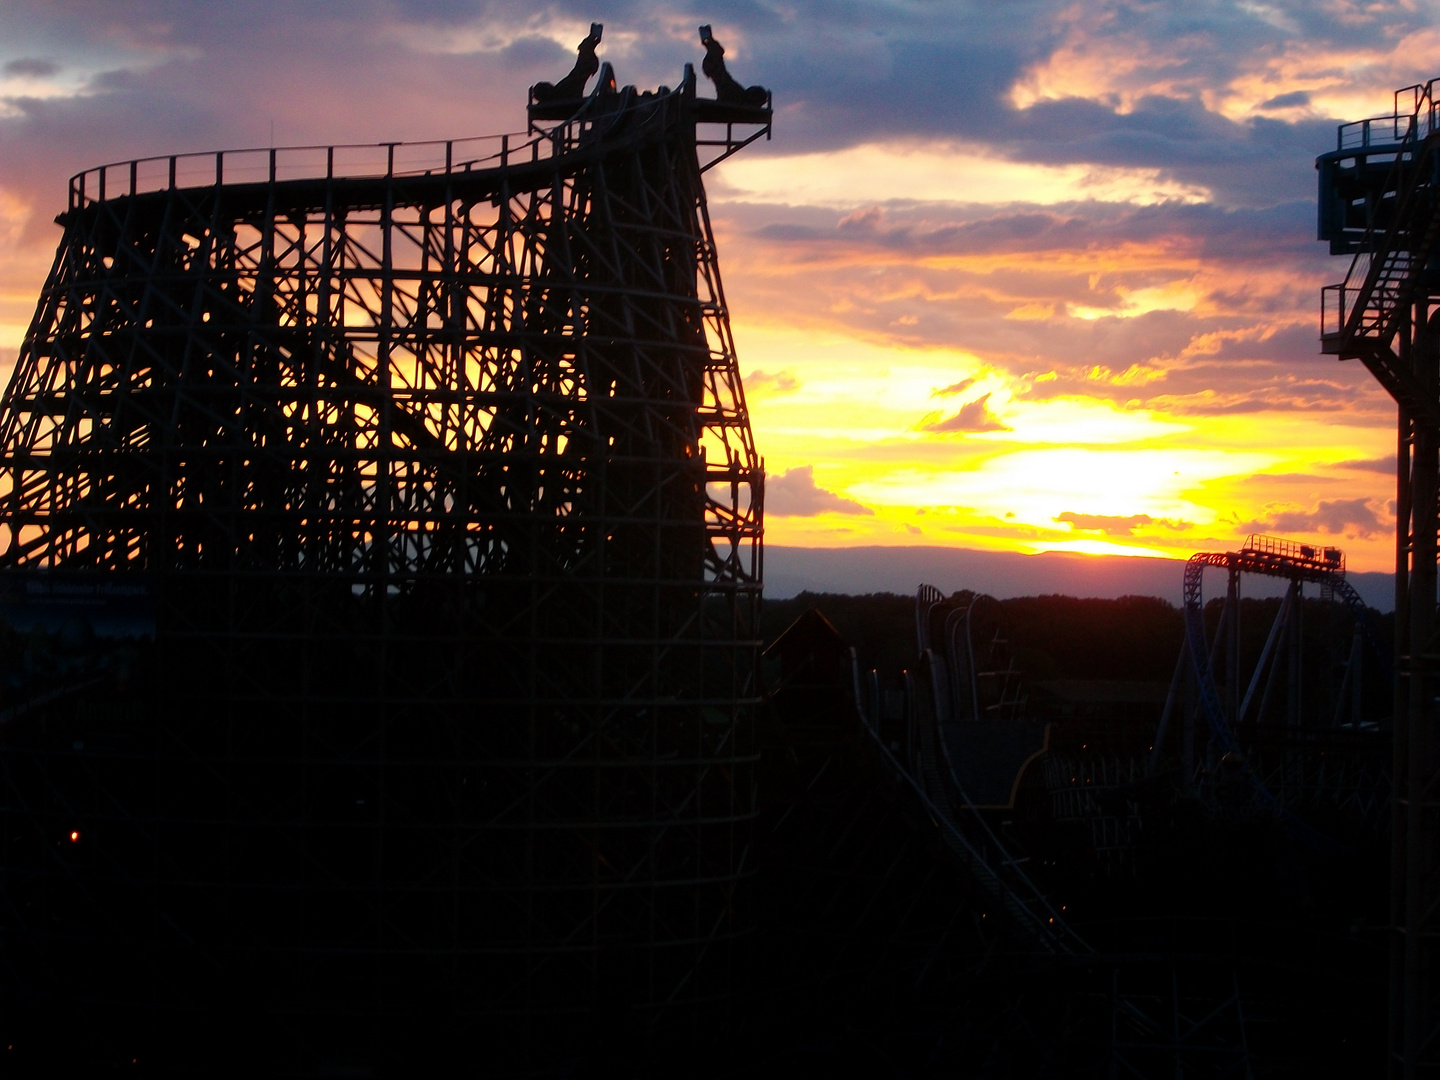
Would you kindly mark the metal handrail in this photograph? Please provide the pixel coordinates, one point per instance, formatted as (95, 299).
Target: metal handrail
(358, 161)
(1331, 559)
(1398, 127)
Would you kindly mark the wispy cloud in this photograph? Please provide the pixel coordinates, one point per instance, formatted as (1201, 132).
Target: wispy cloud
(30, 67)
(954, 388)
(779, 382)
(1384, 465)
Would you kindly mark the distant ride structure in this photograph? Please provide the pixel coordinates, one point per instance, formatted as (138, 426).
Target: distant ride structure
(1261, 734)
(1378, 204)
(426, 474)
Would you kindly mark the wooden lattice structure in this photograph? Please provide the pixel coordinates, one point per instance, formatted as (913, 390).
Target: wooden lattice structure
(434, 465)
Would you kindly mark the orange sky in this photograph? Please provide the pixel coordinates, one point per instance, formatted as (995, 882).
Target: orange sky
(1004, 282)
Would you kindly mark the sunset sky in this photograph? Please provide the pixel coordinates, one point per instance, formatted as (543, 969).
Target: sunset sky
(1021, 275)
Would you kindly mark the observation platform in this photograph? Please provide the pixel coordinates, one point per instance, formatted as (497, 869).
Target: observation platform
(1376, 204)
(1359, 175)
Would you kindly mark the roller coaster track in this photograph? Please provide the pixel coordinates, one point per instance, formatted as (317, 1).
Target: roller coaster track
(994, 867)
(1269, 564)
(1142, 1037)
(959, 823)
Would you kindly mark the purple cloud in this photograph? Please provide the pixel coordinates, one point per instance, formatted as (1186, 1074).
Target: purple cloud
(780, 382)
(794, 493)
(1330, 516)
(974, 416)
(30, 67)
(1116, 525)
(1384, 465)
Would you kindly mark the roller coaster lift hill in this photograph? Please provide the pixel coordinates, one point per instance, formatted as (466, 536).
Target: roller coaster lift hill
(381, 548)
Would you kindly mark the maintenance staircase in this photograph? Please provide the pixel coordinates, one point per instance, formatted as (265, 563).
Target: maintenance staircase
(1362, 315)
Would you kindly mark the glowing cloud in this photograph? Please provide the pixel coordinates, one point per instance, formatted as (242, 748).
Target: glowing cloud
(974, 416)
(1354, 516)
(1115, 525)
(794, 493)
(780, 382)
(959, 173)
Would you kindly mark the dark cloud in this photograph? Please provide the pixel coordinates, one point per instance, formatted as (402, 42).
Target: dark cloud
(881, 72)
(973, 416)
(1381, 465)
(1239, 235)
(31, 67)
(794, 494)
(843, 73)
(1287, 101)
(1354, 516)
(1115, 525)
(1105, 523)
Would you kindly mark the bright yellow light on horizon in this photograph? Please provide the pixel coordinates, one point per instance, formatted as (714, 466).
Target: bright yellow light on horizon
(1037, 485)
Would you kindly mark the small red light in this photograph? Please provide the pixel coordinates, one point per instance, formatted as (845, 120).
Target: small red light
(74, 836)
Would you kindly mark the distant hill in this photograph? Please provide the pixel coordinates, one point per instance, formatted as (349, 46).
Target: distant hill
(1003, 574)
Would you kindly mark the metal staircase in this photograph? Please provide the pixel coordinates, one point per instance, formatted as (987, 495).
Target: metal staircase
(1362, 315)
(1380, 201)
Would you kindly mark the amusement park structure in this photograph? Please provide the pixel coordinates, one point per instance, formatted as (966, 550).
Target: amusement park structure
(412, 491)
(1378, 204)
(1011, 791)
(1235, 707)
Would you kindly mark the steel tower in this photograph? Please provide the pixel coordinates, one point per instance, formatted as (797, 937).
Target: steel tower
(1378, 203)
(433, 463)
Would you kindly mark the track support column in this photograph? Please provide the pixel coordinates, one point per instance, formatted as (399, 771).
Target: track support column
(1413, 1026)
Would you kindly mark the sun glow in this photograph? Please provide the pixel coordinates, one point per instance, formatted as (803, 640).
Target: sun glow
(895, 437)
